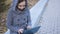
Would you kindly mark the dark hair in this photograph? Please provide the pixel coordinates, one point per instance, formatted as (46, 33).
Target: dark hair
(19, 1)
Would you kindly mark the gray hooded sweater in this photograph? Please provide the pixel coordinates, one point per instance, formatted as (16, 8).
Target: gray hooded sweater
(17, 19)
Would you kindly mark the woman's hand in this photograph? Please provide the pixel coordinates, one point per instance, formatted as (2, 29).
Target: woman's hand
(20, 31)
(28, 27)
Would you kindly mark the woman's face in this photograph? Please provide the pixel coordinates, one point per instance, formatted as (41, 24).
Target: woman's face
(21, 5)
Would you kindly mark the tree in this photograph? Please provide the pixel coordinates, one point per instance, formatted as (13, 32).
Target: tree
(2, 5)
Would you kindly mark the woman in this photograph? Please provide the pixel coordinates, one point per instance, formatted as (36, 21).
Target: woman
(18, 18)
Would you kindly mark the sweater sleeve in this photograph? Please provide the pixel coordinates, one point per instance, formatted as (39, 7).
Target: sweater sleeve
(29, 19)
(9, 23)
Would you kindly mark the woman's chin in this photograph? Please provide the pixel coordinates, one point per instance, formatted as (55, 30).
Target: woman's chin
(21, 9)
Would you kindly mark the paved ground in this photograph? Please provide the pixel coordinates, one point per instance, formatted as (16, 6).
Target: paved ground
(50, 23)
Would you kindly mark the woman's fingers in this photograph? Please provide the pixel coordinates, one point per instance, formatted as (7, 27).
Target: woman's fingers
(20, 31)
(28, 27)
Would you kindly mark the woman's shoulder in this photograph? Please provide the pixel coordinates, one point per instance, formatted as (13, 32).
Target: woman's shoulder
(10, 11)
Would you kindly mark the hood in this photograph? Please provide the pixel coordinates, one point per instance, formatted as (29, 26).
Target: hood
(14, 4)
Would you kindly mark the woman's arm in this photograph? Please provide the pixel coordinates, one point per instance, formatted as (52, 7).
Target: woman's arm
(9, 22)
(29, 21)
